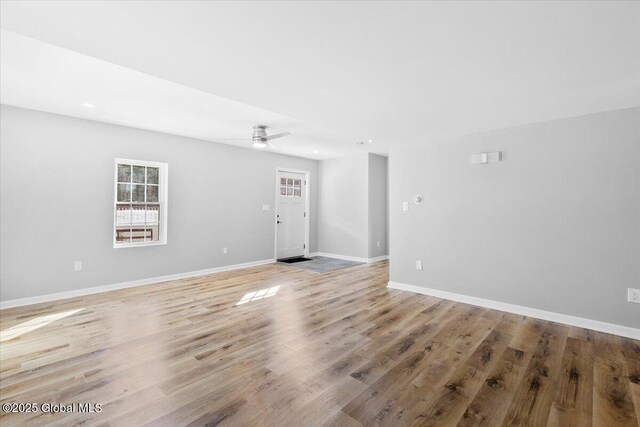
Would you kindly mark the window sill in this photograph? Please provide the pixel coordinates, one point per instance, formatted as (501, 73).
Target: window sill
(137, 245)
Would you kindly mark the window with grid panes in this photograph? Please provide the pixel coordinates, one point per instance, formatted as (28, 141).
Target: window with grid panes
(290, 187)
(140, 203)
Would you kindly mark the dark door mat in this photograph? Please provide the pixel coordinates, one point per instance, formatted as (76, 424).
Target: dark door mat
(294, 260)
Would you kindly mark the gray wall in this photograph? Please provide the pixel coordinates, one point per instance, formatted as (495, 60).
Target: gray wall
(353, 206)
(343, 206)
(555, 226)
(378, 206)
(57, 203)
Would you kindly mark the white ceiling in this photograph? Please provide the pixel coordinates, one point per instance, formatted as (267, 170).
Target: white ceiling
(44, 77)
(392, 72)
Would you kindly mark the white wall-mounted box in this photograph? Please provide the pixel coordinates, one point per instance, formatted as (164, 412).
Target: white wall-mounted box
(481, 158)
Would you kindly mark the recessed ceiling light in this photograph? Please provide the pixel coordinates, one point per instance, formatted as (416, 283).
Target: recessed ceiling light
(315, 151)
(370, 141)
(88, 105)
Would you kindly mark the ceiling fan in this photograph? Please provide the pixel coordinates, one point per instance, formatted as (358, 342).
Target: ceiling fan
(259, 138)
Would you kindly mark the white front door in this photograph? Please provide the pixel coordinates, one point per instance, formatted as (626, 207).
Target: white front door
(290, 214)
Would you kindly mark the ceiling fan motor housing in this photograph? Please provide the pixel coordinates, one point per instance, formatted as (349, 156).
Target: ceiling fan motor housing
(259, 136)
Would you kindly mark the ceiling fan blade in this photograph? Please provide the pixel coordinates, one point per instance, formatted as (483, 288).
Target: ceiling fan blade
(278, 135)
(231, 139)
(272, 146)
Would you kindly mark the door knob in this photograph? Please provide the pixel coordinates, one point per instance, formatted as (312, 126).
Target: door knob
(279, 222)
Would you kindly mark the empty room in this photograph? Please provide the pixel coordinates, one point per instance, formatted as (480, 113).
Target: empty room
(320, 213)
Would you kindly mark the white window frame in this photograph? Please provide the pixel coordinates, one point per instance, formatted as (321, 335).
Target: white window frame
(163, 198)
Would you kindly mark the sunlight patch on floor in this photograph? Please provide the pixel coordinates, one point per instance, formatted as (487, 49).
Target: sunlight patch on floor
(34, 324)
(257, 295)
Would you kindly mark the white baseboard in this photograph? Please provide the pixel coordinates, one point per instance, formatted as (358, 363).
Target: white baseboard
(344, 257)
(351, 258)
(106, 288)
(378, 258)
(596, 325)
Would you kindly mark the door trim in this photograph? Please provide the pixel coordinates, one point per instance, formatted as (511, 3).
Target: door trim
(307, 206)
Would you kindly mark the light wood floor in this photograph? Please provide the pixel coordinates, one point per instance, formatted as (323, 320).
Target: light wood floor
(323, 349)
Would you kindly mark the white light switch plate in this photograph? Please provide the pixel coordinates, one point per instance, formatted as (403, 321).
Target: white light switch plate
(77, 266)
(405, 206)
(265, 208)
(418, 265)
(633, 295)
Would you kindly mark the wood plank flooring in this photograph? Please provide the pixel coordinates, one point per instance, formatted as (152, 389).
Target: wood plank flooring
(274, 346)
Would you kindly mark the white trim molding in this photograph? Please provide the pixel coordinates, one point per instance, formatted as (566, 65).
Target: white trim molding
(351, 258)
(142, 282)
(596, 325)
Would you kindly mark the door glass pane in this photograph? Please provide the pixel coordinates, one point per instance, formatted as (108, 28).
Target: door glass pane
(138, 174)
(283, 191)
(137, 193)
(124, 173)
(289, 182)
(152, 193)
(124, 192)
(289, 191)
(296, 192)
(152, 175)
(283, 182)
(296, 183)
